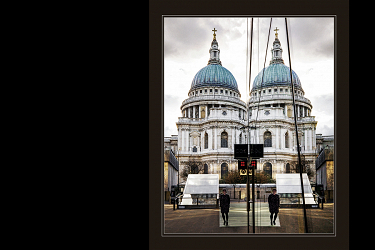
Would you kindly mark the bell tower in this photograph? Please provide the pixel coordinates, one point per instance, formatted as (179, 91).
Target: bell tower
(277, 51)
(214, 51)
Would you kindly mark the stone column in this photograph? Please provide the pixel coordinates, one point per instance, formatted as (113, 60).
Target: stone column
(215, 138)
(277, 137)
(180, 139)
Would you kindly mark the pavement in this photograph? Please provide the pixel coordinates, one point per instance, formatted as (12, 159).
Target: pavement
(289, 221)
(238, 215)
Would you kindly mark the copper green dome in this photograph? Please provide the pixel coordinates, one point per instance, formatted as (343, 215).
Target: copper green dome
(214, 75)
(277, 74)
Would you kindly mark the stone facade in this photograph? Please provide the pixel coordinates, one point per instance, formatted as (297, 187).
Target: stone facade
(213, 117)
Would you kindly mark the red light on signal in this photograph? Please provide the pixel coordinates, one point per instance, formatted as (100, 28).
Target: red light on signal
(253, 163)
(242, 164)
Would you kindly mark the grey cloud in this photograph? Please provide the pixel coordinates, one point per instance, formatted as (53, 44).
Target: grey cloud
(310, 38)
(184, 37)
(323, 104)
(317, 34)
(191, 37)
(325, 130)
(171, 101)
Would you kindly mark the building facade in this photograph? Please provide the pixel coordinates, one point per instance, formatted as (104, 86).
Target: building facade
(272, 119)
(211, 121)
(213, 118)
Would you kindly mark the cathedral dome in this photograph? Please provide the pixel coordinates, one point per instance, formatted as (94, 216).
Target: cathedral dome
(277, 74)
(214, 75)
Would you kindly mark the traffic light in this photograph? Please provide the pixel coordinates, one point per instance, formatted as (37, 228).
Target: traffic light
(253, 163)
(242, 164)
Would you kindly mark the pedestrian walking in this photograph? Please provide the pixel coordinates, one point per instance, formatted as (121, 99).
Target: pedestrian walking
(224, 205)
(273, 204)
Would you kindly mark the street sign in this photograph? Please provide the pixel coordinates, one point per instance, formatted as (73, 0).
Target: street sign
(242, 164)
(256, 151)
(244, 171)
(240, 151)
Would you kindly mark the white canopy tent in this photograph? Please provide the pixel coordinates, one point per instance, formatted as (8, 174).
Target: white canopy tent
(200, 184)
(288, 185)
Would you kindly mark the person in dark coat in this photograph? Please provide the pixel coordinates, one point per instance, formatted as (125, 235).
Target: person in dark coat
(273, 204)
(224, 204)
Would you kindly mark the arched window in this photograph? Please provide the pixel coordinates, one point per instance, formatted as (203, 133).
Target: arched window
(267, 139)
(205, 169)
(224, 170)
(194, 169)
(287, 168)
(194, 149)
(286, 140)
(205, 140)
(267, 168)
(240, 138)
(224, 139)
(203, 113)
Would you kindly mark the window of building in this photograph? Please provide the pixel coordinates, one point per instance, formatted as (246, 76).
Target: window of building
(205, 140)
(194, 149)
(224, 139)
(267, 168)
(205, 169)
(194, 169)
(241, 138)
(286, 140)
(221, 91)
(287, 168)
(267, 139)
(224, 169)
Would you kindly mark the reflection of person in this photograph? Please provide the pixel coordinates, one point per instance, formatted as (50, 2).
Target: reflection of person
(273, 204)
(225, 204)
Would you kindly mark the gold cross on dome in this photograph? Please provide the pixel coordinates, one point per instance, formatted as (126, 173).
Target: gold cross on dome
(214, 33)
(276, 31)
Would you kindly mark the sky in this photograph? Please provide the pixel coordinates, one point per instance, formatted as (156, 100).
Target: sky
(187, 41)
